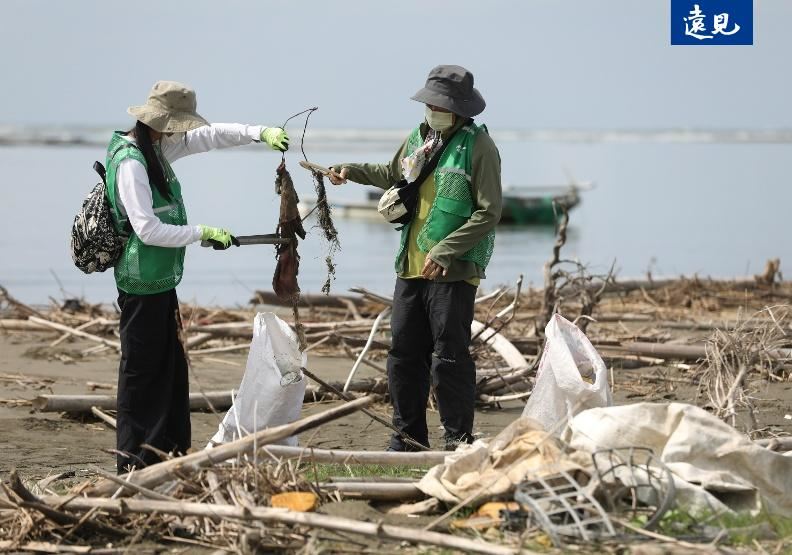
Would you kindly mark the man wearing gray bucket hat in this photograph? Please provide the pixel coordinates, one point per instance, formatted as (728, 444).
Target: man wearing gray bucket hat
(147, 207)
(450, 168)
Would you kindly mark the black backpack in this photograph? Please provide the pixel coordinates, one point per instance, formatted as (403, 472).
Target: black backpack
(95, 243)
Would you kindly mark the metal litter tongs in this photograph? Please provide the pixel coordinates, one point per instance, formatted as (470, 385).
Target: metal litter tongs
(239, 240)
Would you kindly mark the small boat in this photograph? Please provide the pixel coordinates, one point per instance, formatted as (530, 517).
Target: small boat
(522, 205)
(532, 205)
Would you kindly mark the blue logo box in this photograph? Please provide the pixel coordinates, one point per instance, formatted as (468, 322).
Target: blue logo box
(711, 22)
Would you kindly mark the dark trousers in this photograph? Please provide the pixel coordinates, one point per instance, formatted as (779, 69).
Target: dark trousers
(430, 324)
(153, 391)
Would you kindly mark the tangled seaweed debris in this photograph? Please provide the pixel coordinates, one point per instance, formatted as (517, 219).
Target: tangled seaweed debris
(284, 281)
(324, 215)
(328, 228)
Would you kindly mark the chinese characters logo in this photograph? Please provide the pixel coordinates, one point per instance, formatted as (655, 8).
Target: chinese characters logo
(713, 22)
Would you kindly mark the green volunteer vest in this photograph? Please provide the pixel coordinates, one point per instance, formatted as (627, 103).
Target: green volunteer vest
(453, 204)
(145, 269)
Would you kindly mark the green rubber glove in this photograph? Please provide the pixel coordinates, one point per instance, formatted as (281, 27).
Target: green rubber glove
(222, 238)
(276, 138)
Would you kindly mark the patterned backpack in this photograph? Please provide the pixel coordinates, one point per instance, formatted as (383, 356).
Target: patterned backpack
(95, 243)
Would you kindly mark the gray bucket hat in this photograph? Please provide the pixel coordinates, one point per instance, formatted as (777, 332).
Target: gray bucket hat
(451, 87)
(169, 108)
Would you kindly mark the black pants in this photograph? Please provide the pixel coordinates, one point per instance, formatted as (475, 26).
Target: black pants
(153, 391)
(431, 338)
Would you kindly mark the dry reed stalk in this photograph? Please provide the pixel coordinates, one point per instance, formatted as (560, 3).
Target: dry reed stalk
(756, 345)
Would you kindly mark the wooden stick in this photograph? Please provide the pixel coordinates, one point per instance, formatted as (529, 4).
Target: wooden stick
(407, 439)
(489, 296)
(500, 345)
(220, 400)
(72, 331)
(44, 547)
(54, 514)
(81, 327)
(366, 348)
(12, 324)
(84, 403)
(268, 514)
(155, 474)
(226, 349)
(490, 399)
(306, 299)
(151, 494)
(379, 491)
(199, 339)
(103, 416)
(337, 456)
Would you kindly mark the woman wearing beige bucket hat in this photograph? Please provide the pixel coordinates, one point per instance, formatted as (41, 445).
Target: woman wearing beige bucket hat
(146, 203)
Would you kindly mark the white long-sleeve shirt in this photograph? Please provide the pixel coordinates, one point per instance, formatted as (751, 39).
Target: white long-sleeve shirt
(134, 190)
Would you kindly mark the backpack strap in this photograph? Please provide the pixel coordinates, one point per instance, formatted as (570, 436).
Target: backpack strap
(99, 167)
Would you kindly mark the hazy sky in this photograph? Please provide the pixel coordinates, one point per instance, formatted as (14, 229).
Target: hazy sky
(538, 63)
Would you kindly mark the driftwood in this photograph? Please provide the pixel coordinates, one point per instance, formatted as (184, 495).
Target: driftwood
(678, 352)
(154, 475)
(133, 488)
(337, 456)
(508, 352)
(54, 513)
(268, 514)
(84, 403)
(208, 400)
(375, 491)
(104, 417)
(77, 333)
(13, 324)
(366, 348)
(307, 300)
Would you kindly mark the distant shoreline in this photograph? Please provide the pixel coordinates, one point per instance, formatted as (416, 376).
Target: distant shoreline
(329, 139)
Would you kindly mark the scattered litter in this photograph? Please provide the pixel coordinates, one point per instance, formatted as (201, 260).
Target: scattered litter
(571, 378)
(563, 509)
(633, 481)
(272, 388)
(715, 467)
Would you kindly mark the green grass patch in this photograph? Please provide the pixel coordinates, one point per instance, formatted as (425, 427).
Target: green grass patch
(322, 472)
(740, 529)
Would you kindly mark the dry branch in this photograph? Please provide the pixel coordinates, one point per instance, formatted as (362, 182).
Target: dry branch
(156, 474)
(77, 333)
(337, 456)
(268, 514)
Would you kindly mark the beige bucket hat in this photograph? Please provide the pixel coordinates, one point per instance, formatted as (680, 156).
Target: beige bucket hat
(169, 108)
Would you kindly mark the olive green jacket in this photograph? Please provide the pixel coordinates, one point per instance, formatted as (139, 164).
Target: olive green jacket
(487, 198)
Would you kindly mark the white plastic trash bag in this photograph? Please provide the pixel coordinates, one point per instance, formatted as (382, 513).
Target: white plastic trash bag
(571, 378)
(272, 389)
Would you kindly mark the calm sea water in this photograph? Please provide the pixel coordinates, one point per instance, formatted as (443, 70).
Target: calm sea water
(706, 208)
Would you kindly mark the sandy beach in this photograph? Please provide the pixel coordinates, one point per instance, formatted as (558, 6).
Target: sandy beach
(41, 444)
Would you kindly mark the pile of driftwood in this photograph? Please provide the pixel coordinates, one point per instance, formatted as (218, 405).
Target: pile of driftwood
(245, 496)
(721, 337)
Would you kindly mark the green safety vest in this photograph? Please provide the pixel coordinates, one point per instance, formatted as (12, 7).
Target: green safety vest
(145, 269)
(453, 204)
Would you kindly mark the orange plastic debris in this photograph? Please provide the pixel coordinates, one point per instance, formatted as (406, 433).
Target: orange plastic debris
(299, 501)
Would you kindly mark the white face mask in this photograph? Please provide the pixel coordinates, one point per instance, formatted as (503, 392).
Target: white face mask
(439, 121)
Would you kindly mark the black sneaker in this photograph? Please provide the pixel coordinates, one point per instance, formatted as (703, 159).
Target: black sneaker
(398, 446)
